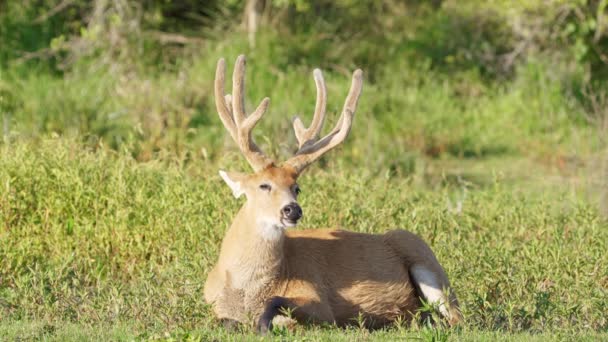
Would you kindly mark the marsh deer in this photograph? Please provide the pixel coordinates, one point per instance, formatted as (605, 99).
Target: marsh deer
(320, 275)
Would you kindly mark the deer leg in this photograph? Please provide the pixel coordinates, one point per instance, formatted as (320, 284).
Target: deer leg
(304, 310)
(272, 309)
(229, 324)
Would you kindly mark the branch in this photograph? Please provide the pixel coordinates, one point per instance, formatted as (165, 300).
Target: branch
(62, 5)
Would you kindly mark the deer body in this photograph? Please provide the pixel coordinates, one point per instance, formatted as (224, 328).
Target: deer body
(322, 275)
(338, 278)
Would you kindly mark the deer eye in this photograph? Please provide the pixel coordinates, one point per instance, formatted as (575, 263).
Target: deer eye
(297, 190)
(265, 187)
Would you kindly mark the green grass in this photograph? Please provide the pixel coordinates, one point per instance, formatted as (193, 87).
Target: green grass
(111, 210)
(95, 245)
(148, 109)
(78, 332)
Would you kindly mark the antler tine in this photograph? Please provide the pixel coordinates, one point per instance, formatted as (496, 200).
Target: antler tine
(231, 110)
(224, 110)
(238, 89)
(352, 98)
(309, 153)
(228, 99)
(308, 135)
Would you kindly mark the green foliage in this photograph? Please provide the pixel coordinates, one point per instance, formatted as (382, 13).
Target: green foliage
(21, 32)
(464, 87)
(481, 128)
(416, 110)
(95, 237)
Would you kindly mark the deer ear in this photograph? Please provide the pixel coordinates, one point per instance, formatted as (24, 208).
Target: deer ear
(235, 182)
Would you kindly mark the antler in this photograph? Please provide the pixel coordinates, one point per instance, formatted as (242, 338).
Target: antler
(232, 113)
(310, 147)
(309, 135)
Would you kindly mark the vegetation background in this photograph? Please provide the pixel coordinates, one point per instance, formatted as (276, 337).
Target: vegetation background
(482, 127)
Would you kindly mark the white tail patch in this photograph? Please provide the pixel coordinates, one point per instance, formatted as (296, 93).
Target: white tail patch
(431, 288)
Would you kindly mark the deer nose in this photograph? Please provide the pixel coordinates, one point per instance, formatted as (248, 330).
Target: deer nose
(292, 211)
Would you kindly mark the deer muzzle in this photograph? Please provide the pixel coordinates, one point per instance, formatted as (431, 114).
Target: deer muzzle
(292, 212)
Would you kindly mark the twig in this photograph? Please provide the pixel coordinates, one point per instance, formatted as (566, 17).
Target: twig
(173, 38)
(44, 53)
(62, 5)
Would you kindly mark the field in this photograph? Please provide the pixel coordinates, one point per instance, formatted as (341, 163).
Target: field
(112, 210)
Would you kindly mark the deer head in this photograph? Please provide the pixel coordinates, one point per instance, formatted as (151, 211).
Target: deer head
(272, 189)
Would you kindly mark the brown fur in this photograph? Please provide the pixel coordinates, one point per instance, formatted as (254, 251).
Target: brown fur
(332, 276)
(328, 275)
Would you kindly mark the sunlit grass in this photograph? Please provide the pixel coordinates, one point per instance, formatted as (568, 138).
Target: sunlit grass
(95, 240)
(111, 210)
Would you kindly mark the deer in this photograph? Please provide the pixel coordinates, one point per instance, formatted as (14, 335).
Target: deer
(266, 270)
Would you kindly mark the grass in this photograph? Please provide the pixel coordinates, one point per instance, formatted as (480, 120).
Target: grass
(111, 210)
(78, 332)
(418, 109)
(95, 245)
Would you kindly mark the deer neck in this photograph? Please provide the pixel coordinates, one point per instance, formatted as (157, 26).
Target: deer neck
(252, 251)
